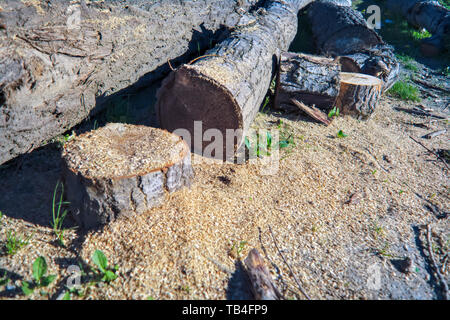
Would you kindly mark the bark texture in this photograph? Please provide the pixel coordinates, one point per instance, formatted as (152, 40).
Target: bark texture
(312, 80)
(359, 94)
(429, 15)
(60, 60)
(121, 170)
(341, 31)
(263, 287)
(225, 89)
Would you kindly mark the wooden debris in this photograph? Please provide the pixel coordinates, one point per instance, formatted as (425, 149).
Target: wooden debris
(434, 134)
(263, 287)
(359, 94)
(312, 80)
(122, 170)
(313, 112)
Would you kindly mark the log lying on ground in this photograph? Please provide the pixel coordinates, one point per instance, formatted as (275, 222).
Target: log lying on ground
(225, 89)
(339, 30)
(429, 15)
(359, 94)
(60, 60)
(263, 287)
(312, 80)
(121, 170)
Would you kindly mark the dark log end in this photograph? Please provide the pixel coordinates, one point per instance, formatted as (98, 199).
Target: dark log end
(186, 96)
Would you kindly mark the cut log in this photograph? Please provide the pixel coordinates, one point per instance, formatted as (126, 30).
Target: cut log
(427, 14)
(359, 94)
(263, 287)
(339, 30)
(60, 60)
(121, 170)
(312, 80)
(225, 89)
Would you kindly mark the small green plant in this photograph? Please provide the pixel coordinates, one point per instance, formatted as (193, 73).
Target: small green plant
(107, 273)
(341, 134)
(420, 35)
(186, 289)
(408, 62)
(238, 247)
(265, 104)
(40, 279)
(58, 215)
(15, 242)
(258, 147)
(4, 280)
(333, 112)
(404, 91)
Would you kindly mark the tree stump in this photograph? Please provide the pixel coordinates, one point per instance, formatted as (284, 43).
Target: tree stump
(312, 80)
(122, 169)
(358, 95)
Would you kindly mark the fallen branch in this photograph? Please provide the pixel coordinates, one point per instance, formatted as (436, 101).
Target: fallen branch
(441, 278)
(431, 151)
(313, 112)
(434, 134)
(289, 267)
(429, 85)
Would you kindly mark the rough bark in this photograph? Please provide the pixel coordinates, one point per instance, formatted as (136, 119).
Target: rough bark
(313, 80)
(121, 170)
(60, 60)
(358, 95)
(429, 15)
(263, 287)
(339, 30)
(225, 89)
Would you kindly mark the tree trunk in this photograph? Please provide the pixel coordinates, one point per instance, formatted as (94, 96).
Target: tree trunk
(225, 89)
(313, 80)
(358, 95)
(60, 60)
(341, 31)
(122, 170)
(263, 287)
(429, 15)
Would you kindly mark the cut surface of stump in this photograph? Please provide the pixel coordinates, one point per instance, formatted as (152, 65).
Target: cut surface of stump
(359, 94)
(122, 169)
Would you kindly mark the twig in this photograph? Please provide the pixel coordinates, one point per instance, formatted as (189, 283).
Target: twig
(434, 134)
(429, 85)
(431, 151)
(170, 65)
(441, 278)
(287, 264)
(204, 56)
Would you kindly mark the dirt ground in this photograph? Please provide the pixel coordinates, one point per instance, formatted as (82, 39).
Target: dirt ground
(337, 250)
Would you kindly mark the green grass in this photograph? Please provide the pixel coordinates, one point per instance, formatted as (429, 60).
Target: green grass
(58, 214)
(15, 242)
(408, 62)
(405, 91)
(445, 3)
